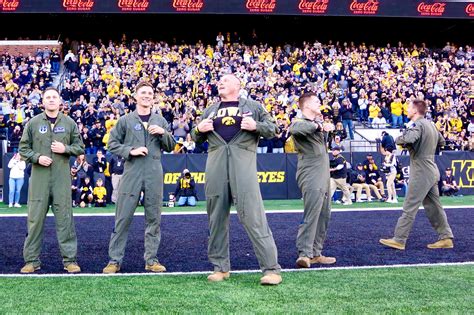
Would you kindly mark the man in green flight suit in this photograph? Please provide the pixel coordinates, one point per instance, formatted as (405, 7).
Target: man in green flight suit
(314, 181)
(421, 138)
(232, 127)
(48, 141)
(139, 138)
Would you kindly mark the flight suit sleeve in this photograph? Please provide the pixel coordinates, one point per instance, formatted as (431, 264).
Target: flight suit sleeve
(441, 140)
(410, 136)
(197, 136)
(302, 128)
(26, 146)
(167, 139)
(76, 146)
(266, 125)
(116, 143)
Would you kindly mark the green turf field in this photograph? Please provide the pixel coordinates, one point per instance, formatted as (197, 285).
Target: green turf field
(269, 205)
(440, 290)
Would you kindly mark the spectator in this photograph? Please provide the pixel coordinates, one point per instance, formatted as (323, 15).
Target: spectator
(358, 181)
(185, 191)
(85, 193)
(17, 173)
(100, 193)
(347, 116)
(99, 165)
(387, 143)
(390, 170)
(379, 122)
(449, 186)
(375, 181)
(116, 167)
(338, 171)
(396, 110)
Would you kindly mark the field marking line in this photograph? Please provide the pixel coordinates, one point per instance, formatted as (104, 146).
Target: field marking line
(111, 214)
(145, 274)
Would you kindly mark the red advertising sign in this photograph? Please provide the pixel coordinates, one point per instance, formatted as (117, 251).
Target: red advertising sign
(9, 5)
(313, 6)
(433, 9)
(261, 6)
(470, 9)
(188, 5)
(368, 7)
(78, 5)
(133, 5)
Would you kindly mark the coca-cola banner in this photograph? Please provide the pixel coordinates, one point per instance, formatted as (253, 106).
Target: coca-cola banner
(394, 8)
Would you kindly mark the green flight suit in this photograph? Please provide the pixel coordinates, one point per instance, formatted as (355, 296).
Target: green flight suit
(421, 140)
(231, 176)
(50, 185)
(141, 173)
(313, 179)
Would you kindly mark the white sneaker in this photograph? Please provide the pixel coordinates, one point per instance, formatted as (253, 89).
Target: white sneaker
(370, 199)
(359, 200)
(10, 205)
(17, 205)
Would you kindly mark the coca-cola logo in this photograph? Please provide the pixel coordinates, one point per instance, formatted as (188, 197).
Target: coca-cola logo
(368, 7)
(262, 6)
(133, 5)
(314, 6)
(188, 5)
(470, 9)
(9, 5)
(78, 5)
(434, 9)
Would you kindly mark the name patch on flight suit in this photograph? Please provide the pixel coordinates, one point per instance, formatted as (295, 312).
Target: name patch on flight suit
(43, 129)
(59, 129)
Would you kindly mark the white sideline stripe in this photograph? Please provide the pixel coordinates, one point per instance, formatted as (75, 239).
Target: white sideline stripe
(111, 214)
(134, 274)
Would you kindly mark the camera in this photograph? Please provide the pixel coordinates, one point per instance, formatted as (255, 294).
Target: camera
(187, 175)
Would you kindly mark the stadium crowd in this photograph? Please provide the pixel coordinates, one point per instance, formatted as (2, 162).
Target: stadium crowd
(363, 83)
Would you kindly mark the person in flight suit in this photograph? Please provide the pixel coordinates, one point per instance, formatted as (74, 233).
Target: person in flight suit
(421, 138)
(48, 141)
(233, 127)
(139, 138)
(314, 181)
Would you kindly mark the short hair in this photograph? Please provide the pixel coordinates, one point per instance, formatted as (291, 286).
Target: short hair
(143, 84)
(304, 98)
(420, 106)
(51, 88)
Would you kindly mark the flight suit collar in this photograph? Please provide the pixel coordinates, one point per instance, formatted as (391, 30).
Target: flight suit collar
(58, 119)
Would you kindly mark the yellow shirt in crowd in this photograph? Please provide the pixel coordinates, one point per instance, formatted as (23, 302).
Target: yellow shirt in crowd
(100, 192)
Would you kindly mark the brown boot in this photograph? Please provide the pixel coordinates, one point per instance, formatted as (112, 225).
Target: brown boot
(111, 268)
(271, 279)
(444, 243)
(72, 268)
(156, 267)
(29, 268)
(390, 242)
(323, 260)
(303, 262)
(218, 276)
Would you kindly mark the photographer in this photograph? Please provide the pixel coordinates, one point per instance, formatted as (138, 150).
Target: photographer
(185, 192)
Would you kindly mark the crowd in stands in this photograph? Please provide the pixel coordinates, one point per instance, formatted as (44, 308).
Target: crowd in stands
(363, 83)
